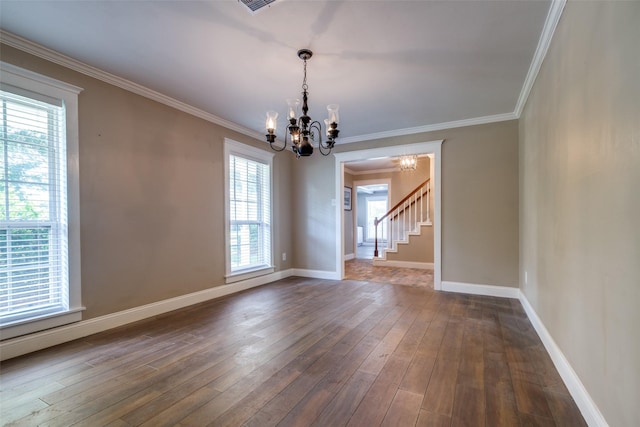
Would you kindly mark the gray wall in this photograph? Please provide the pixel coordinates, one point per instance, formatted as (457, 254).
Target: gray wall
(151, 195)
(580, 200)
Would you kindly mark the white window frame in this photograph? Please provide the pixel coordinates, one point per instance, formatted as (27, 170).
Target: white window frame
(236, 148)
(68, 94)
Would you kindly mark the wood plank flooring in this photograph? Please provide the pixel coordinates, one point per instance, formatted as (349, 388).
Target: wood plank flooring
(301, 352)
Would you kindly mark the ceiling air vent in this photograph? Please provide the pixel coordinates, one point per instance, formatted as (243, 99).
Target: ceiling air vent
(256, 5)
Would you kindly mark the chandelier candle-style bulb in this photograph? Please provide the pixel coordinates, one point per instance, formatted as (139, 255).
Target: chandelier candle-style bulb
(272, 120)
(333, 113)
(271, 123)
(294, 106)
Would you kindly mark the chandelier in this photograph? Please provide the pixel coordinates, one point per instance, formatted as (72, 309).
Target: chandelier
(408, 163)
(301, 130)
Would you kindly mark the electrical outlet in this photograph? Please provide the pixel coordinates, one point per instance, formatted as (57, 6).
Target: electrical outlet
(284, 256)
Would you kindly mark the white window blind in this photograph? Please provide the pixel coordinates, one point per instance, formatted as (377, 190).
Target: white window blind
(249, 214)
(33, 207)
(248, 207)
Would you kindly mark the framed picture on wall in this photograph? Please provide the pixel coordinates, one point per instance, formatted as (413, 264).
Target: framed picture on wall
(347, 198)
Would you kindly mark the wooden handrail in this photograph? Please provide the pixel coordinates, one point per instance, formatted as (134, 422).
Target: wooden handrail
(397, 205)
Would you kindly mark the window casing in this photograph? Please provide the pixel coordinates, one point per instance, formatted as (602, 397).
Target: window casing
(39, 230)
(248, 192)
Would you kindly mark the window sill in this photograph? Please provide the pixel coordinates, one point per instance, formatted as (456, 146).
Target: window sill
(248, 274)
(37, 324)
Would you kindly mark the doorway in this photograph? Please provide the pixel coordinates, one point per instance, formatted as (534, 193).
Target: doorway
(434, 150)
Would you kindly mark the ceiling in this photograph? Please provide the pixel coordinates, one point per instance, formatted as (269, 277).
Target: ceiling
(394, 66)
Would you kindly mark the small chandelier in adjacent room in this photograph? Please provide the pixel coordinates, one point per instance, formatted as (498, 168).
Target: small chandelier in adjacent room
(301, 129)
(408, 163)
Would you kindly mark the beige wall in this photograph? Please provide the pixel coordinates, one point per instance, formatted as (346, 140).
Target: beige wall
(314, 212)
(151, 195)
(479, 200)
(580, 200)
(419, 248)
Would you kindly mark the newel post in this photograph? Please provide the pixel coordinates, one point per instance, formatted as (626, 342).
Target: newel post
(375, 248)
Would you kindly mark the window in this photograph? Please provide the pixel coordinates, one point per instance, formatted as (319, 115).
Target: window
(376, 208)
(36, 238)
(248, 203)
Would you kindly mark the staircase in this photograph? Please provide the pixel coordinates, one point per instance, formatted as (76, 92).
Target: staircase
(404, 222)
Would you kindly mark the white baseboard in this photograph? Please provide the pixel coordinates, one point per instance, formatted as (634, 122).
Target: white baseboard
(475, 289)
(403, 264)
(39, 340)
(349, 257)
(315, 274)
(587, 406)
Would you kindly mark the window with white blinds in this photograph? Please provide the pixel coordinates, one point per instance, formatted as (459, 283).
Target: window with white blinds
(34, 255)
(248, 209)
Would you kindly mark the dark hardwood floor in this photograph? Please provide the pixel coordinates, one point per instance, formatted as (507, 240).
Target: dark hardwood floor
(301, 352)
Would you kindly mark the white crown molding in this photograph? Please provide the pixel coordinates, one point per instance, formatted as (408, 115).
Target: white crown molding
(587, 406)
(553, 17)
(73, 64)
(550, 24)
(430, 128)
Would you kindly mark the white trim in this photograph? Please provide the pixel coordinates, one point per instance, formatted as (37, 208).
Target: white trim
(315, 274)
(587, 406)
(477, 289)
(369, 172)
(349, 257)
(555, 12)
(402, 264)
(37, 341)
(579, 393)
(73, 64)
(68, 93)
(553, 17)
(432, 147)
(41, 323)
(430, 128)
(249, 274)
(239, 149)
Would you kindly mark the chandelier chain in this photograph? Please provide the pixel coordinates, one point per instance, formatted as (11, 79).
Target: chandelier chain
(304, 80)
